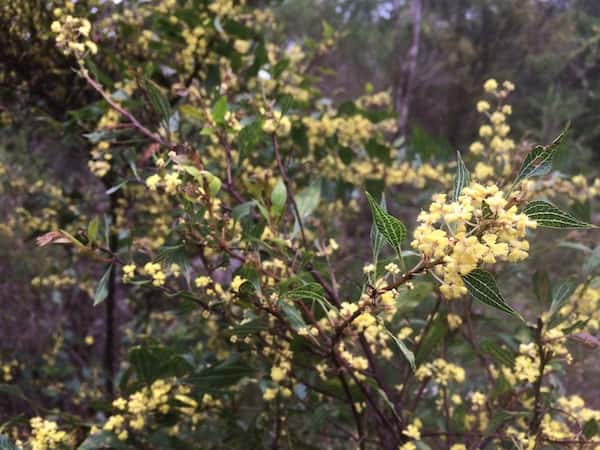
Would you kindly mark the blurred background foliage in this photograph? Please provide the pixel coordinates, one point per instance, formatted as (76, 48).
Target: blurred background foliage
(549, 48)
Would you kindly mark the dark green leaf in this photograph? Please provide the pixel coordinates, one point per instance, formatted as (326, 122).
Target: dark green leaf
(590, 428)
(377, 150)
(539, 161)
(312, 291)
(249, 328)
(250, 137)
(408, 354)
(389, 226)
(154, 361)
(222, 375)
(576, 326)
(159, 102)
(561, 295)
(542, 286)
(549, 216)
(293, 316)
(436, 334)
(377, 238)
(483, 288)
(501, 355)
(242, 210)
(500, 417)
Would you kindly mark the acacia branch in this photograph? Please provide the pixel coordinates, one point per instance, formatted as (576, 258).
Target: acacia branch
(136, 123)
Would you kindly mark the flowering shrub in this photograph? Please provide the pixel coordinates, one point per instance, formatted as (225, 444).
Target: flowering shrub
(263, 321)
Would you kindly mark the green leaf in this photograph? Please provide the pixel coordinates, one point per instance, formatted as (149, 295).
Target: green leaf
(462, 177)
(115, 188)
(539, 161)
(101, 441)
(561, 295)
(98, 74)
(389, 226)
(293, 316)
(408, 354)
(278, 197)
(214, 183)
(159, 102)
(93, 228)
(242, 210)
(501, 355)
(250, 137)
(219, 110)
(436, 334)
(542, 287)
(192, 113)
(549, 216)
(13, 390)
(502, 416)
(590, 428)
(155, 361)
(222, 375)
(307, 201)
(377, 150)
(592, 262)
(483, 288)
(249, 328)
(376, 237)
(101, 291)
(311, 291)
(6, 443)
(576, 326)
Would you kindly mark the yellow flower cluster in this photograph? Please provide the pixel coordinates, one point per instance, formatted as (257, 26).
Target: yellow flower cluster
(351, 131)
(135, 411)
(280, 371)
(7, 370)
(170, 181)
(45, 435)
(100, 165)
(57, 281)
(278, 124)
(584, 304)
(480, 227)
(72, 36)
(156, 272)
(128, 272)
(495, 133)
(101, 156)
(527, 363)
(413, 430)
(441, 371)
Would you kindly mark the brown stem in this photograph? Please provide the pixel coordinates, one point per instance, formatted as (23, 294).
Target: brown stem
(544, 358)
(355, 414)
(141, 128)
(288, 188)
